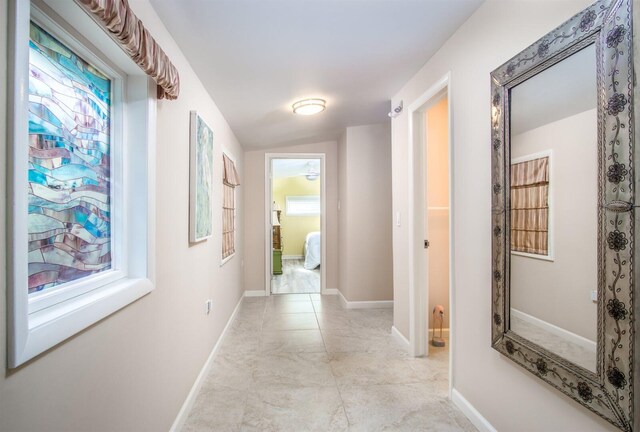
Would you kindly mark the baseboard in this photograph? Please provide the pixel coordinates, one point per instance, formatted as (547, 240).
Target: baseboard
(399, 337)
(254, 293)
(375, 304)
(330, 291)
(292, 257)
(555, 330)
(181, 418)
(478, 420)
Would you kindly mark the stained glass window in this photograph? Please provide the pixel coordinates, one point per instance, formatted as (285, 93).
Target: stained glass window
(69, 215)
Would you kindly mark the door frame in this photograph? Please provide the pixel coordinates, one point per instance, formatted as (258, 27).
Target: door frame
(418, 266)
(268, 194)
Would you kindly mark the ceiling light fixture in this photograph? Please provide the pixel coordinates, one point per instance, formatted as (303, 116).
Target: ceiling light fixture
(309, 106)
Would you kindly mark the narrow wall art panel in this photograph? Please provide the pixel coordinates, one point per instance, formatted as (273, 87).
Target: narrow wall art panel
(201, 179)
(69, 215)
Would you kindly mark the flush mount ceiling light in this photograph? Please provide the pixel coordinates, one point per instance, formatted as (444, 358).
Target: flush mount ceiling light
(309, 106)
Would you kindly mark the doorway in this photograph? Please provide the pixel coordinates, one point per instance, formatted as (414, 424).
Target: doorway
(294, 212)
(431, 291)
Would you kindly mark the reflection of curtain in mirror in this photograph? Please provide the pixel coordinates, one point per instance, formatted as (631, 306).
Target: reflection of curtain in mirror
(530, 206)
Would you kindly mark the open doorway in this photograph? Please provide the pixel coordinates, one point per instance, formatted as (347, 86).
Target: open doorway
(431, 292)
(436, 224)
(294, 213)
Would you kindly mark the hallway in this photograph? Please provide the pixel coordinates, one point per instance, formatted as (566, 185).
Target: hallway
(301, 362)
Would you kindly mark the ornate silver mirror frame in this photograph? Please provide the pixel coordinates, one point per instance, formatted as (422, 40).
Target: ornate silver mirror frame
(609, 391)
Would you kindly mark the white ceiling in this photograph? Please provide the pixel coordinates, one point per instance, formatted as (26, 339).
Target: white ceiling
(257, 57)
(563, 90)
(294, 167)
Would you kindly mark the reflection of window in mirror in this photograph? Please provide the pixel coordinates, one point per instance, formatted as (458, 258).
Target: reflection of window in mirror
(531, 221)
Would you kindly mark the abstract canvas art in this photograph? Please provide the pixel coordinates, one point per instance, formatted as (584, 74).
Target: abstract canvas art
(201, 176)
(69, 214)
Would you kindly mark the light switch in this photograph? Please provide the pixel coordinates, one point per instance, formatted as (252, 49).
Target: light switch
(594, 296)
(397, 219)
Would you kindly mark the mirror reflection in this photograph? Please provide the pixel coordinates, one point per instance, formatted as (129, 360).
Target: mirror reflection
(554, 225)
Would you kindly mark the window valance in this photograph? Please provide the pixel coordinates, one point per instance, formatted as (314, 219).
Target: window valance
(119, 21)
(230, 174)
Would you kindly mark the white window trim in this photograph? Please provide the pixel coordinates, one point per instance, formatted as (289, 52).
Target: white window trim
(302, 198)
(550, 256)
(225, 260)
(42, 321)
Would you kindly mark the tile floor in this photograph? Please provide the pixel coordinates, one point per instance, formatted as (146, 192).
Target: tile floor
(301, 362)
(295, 278)
(584, 357)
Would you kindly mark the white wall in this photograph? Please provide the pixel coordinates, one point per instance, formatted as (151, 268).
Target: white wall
(255, 215)
(542, 288)
(510, 398)
(365, 255)
(133, 370)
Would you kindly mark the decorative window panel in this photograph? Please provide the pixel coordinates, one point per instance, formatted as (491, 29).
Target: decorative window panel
(69, 215)
(530, 206)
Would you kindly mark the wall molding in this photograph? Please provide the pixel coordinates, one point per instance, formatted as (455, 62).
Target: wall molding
(471, 412)
(181, 418)
(373, 304)
(292, 257)
(330, 291)
(399, 337)
(254, 293)
(555, 330)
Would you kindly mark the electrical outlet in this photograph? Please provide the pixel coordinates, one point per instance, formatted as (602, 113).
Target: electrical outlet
(207, 306)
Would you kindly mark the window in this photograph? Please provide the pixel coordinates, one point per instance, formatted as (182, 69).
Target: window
(82, 222)
(531, 222)
(230, 180)
(303, 205)
(70, 169)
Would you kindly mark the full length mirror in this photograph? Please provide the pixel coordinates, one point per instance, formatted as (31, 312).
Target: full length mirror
(564, 211)
(553, 208)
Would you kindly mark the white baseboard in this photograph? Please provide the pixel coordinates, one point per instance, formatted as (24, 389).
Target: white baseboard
(555, 330)
(471, 412)
(181, 418)
(330, 291)
(399, 337)
(292, 257)
(254, 293)
(375, 304)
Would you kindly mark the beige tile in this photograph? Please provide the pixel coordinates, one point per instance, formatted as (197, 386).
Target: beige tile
(240, 340)
(380, 368)
(356, 322)
(289, 307)
(338, 341)
(292, 341)
(288, 297)
(248, 323)
(286, 408)
(217, 410)
(396, 407)
(295, 321)
(231, 371)
(328, 307)
(301, 369)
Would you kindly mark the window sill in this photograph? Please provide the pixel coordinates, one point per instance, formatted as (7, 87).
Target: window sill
(50, 326)
(549, 257)
(226, 260)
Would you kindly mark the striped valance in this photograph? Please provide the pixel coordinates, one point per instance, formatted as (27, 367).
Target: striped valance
(229, 172)
(530, 206)
(119, 21)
